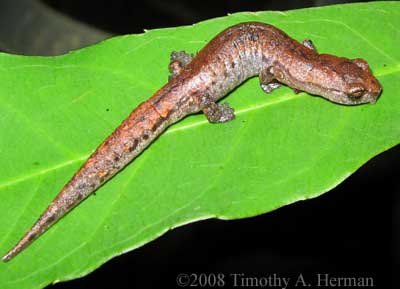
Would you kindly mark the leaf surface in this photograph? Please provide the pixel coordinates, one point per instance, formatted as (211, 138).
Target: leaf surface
(281, 148)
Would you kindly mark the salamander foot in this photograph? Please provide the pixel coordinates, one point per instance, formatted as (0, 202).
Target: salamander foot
(179, 60)
(267, 80)
(217, 113)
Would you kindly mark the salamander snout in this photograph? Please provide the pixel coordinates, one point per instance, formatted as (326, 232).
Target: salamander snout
(345, 81)
(362, 86)
(366, 92)
(374, 90)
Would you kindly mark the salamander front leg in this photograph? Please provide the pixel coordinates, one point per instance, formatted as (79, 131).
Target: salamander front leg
(267, 80)
(179, 60)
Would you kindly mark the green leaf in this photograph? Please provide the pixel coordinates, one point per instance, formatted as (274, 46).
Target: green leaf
(281, 148)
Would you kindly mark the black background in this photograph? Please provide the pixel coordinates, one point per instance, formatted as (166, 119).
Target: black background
(351, 231)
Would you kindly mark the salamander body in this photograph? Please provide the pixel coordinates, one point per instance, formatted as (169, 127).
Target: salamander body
(196, 83)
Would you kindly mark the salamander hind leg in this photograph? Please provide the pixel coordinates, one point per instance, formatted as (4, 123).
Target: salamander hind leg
(217, 113)
(267, 80)
(179, 60)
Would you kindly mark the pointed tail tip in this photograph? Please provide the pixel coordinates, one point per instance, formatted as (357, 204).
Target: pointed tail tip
(11, 254)
(7, 257)
(21, 245)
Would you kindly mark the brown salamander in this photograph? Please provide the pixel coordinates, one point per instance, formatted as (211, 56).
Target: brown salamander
(196, 83)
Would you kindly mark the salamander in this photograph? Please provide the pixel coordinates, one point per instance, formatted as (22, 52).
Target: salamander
(196, 84)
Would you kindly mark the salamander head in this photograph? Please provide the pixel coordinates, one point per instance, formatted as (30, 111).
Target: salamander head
(351, 80)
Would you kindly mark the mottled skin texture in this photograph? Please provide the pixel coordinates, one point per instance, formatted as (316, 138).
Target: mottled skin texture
(196, 83)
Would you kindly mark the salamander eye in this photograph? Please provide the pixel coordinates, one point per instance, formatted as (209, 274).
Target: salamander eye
(357, 91)
(361, 63)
